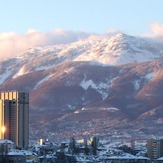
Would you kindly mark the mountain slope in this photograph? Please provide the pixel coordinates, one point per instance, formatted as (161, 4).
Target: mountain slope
(78, 92)
(113, 50)
(90, 86)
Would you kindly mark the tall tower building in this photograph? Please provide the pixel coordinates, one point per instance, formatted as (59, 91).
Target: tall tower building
(14, 117)
(155, 148)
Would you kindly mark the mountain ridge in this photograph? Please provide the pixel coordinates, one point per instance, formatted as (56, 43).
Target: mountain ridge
(98, 82)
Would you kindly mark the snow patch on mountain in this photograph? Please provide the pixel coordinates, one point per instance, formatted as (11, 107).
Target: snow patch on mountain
(40, 68)
(86, 84)
(112, 109)
(70, 106)
(69, 70)
(76, 112)
(5, 75)
(43, 80)
(136, 84)
(20, 72)
(149, 76)
(152, 112)
(102, 88)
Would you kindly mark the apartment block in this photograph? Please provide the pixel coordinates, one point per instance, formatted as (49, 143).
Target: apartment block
(14, 117)
(155, 148)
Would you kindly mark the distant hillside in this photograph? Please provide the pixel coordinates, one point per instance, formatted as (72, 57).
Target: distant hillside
(90, 86)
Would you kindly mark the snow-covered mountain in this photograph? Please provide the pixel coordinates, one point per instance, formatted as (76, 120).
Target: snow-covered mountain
(99, 80)
(108, 50)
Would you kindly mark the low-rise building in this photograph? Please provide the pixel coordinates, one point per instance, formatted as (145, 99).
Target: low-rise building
(160, 160)
(126, 159)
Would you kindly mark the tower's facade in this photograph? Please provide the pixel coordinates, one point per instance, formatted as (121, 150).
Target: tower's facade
(14, 117)
(155, 148)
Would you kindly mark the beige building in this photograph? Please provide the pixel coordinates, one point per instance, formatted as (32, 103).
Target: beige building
(14, 117)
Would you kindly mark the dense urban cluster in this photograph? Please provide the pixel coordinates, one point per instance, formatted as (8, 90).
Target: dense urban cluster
(83, 151)
(82, 147)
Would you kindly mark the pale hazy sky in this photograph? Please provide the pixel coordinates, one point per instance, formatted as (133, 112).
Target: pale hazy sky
(27, 23)
(131, 16)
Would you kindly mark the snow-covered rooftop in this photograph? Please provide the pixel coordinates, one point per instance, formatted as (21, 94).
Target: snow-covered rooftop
(20, 152)
(6, 141)
(129, 156)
